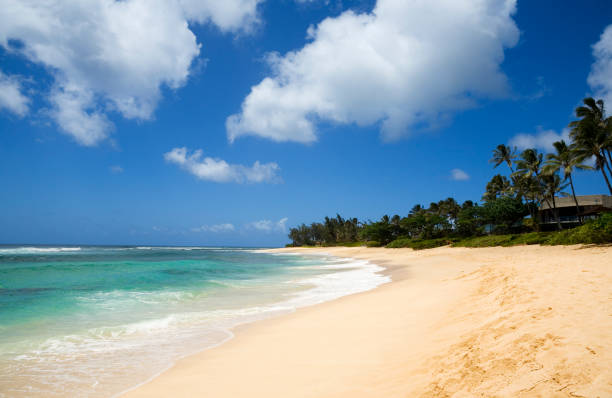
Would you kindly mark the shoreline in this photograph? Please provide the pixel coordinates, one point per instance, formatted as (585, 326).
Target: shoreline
(241, 327)
(467, 321)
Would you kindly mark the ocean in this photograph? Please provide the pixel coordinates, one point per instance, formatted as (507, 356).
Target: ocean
(94, 321)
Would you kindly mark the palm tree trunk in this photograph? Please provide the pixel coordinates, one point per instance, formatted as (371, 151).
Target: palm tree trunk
(603, 171)
(535, 214)
(575, 200)
(608, 166)
(547, 202)
(556, 213)
(605, 161)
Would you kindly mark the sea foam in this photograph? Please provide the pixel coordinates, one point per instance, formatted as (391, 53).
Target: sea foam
(145, 331)
(38, 250)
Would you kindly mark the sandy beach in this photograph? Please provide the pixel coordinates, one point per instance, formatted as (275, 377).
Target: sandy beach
(525, 321)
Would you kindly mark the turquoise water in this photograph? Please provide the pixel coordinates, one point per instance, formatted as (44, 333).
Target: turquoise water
(95, 321)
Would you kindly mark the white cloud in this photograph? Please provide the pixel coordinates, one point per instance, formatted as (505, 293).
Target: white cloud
(86, 126)
(266, 226)
(542, 140)
(269, 226)
(600, 78)
(219, 170)
(11, 97)
(111, 56)
(459, 175)
(217, 228)
(232, 15)
(116, 169)
(406, 64)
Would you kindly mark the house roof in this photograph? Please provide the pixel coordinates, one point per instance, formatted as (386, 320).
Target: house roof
(603, 201)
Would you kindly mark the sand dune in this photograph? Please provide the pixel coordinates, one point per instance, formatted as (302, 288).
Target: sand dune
(497, 322)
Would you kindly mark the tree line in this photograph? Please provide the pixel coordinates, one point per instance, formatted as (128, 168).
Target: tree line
(534, 179)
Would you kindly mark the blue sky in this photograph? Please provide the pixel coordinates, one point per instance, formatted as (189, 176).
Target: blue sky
(359, 107)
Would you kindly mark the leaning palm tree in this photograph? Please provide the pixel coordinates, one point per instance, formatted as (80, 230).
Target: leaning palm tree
(591, 136)
(566, 160)
(503, 153)
(553, 186)
(608, 139)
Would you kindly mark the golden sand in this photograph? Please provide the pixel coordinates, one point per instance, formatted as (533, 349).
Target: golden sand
(525, 321)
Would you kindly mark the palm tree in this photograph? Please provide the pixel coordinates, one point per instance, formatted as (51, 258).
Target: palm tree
(592, 135)
(530, 188)
(416, 209)
(498, 186)
(608, 142)
(529, 163)
(396, 229)
(566, 160)
(503, 153)
(451, 208)
(553, 185)
(527, 179)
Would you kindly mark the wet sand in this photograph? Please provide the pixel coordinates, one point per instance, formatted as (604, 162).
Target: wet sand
(525, 321)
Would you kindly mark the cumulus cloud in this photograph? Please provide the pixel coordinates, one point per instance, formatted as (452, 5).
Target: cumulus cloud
(217, 228)
(86, 126)
(269, 226)
(600, 77)
(11, 97)
(405, 64)
(459, 175)
(542, 140)
(110, 56)
(219, 170)
(230, 15)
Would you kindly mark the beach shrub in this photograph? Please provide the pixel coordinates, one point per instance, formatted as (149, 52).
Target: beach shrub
(352, 244)
(485, 241)
(596, 231)
(373, 243)
(419, 244)
(430, 243)
(399, 243)
(565, 237)
(531, 238)
(592, 232)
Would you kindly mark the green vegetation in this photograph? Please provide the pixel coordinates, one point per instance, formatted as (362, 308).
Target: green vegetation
(592, 232)
(419, 244)
(532, 238)
(509, 213)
